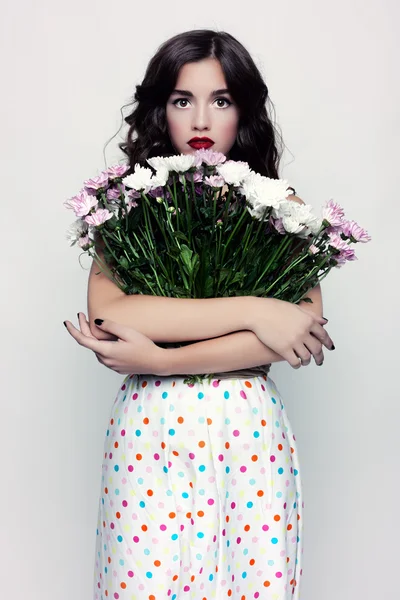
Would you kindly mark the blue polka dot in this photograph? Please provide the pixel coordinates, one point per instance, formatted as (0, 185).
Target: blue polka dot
(142, 503)
(249, 505)
(185, 495)
(226, 395)
(116, 468)
(274, 540)
(119, 538)
(138, 432)
(149, 574)
(244, 574)
(174, 536)
(200, 395)
(256, 434)
(200, 534)
(171, 431)
(164, 395)
(202, 468)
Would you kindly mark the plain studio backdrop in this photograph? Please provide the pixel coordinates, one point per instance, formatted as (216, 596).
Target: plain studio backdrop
(332, 73)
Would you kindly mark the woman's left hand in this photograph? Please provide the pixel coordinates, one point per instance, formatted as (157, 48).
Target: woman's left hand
(130, 352)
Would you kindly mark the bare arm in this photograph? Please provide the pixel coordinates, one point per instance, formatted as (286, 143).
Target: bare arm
(164, 319)
(240, 350)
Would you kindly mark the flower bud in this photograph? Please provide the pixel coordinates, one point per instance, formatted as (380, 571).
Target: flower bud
(159, 199)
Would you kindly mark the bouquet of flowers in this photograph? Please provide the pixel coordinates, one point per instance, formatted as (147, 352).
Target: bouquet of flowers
(200, 226)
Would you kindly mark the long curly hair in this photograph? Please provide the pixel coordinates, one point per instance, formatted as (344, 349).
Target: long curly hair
(256, 141)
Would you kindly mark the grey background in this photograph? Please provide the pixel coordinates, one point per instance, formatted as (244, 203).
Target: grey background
(332, 72)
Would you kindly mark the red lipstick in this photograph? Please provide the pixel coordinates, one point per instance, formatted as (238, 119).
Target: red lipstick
(200, 142)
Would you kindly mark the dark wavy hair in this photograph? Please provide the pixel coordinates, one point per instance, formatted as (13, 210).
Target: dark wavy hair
(256, 137)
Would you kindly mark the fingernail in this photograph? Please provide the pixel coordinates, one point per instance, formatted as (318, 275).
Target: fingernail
(333, 347)
(325, 319)
(98, 321)
(77, 315)
(64, 324)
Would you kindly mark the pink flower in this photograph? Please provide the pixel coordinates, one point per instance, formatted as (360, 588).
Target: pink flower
(82, 203)
(94, 184)
(314, 249)
(209, 157)
(353, 230)
(99, 217)
(132, 204)
(114, 194)
(214, 181)
(117, 171)
(344, 256)
(333, 214)
(278, 224)
(84, 241)
(336, 242)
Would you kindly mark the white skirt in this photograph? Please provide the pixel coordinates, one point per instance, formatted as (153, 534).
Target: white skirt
(201, 493)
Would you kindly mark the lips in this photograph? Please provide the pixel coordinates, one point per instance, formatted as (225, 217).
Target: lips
(203, 142)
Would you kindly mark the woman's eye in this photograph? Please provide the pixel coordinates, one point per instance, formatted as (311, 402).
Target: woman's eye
(217, 100)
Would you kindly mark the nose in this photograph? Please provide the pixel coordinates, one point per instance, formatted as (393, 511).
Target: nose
(201, 118)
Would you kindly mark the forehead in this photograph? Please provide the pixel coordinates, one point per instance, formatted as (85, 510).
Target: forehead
(201, 75)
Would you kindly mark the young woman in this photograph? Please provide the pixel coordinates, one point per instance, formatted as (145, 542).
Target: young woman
(201, 492)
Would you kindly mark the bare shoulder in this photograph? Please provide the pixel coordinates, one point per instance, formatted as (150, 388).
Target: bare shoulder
(295, 199)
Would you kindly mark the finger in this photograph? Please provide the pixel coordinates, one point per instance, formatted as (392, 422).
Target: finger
(304, 353)
(100, 346)
(84, 325)
(293, 360)
(315, 347)
(120, 331)
(85, 328)
(322, 335)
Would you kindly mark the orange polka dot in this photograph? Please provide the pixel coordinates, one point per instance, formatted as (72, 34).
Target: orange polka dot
(112, 421)
(146, 420)
(188, 515)
(202, 444)
(116, 444)
(175, 452)
(144, 384)
(123, 585)
(200, 513)
(280, 447)
(260, 493)
(263, 422)
(139, 456)
(247, 527)
(150, 492)
(229, 592)
(209, 421)
(291, 449)
(163, 445)
(248, 384)
(144, 527)
(277, 518)
(289, 527)
(173, 383)
(252, 561)
(106, 490)
(254, 458)
(267, 583)
(227, 445)
(193, 577)
(172, 515)
(175, 577)
(227, 519)
(152, 597)
(157, 563)
(180, 419)
(118, 515)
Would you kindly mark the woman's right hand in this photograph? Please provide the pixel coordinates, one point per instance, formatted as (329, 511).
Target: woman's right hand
(290, 331)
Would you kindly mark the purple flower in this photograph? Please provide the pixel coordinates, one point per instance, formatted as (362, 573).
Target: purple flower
(215, 181)
(117, 171)
(333, 214)
(345, 255)
(94, 184)
(113, 193)
(351, 229)
(277, 224)
(82, 203)
(209, 157)
(99, 217)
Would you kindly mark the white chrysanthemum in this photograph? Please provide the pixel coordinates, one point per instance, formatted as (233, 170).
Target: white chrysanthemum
(77, 229)
(263, 192)
(160, 178)
(157, 162)
(297, 218)
(140, 179)
(181, 162)
(234, 171)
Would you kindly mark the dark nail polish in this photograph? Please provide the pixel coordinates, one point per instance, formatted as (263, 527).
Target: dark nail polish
(65, 325)
(98, 321)
(325, 319)
(77, 314)
(333, 347)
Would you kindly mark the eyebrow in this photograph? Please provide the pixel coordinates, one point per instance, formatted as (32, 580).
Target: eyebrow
(190, 95)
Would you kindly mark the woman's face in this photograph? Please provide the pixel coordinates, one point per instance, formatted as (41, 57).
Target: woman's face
(198, 107)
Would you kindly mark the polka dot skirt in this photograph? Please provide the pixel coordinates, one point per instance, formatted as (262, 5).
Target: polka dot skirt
(201, 493)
